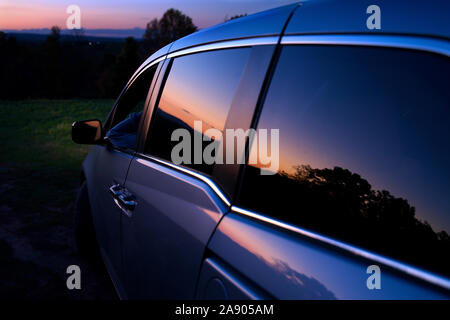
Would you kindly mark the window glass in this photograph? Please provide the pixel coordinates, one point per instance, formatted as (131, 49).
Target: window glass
(364, 150)
(128, 113)
(196, 98)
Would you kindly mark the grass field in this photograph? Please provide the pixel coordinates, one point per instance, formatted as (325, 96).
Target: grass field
(39, 176)
(36, 142)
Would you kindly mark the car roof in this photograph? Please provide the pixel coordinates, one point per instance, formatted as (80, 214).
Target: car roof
(266, 23)
(409, 17)
(413, 17)
(406, 17)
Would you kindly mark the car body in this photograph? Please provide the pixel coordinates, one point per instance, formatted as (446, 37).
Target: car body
(363, 141)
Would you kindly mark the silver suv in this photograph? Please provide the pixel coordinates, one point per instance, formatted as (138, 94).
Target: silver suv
(357, 206)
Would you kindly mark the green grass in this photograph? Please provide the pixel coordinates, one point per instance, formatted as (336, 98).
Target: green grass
(36, 133)
(38, 157)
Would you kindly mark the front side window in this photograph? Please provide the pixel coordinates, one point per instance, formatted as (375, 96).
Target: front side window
(128, 112)
(194, 104)
(364, 149)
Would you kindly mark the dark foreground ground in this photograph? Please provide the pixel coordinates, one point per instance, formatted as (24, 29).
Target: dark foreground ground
(39, 177)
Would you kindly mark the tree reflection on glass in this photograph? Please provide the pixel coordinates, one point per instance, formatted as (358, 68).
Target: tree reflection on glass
(342, 204)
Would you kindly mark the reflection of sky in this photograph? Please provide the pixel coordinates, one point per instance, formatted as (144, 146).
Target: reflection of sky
(116, 14)
(204, 84)
(294, 268)
(397, 141)
(280, 256)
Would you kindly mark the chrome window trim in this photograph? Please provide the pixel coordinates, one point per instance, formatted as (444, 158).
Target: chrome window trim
(410, 270)
(373, 40)
(153, 62)
(227, 44)
(148, 66)
(191, 173)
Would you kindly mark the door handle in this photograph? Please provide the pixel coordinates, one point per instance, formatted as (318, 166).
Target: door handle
(123, 199)
(127, 201)
(116, 190)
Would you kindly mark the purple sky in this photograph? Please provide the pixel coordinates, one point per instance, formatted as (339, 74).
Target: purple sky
(122, 14)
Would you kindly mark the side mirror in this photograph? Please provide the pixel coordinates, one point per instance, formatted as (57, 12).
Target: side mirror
(87, 131)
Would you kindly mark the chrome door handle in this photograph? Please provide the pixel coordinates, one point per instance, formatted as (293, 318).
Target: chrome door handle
(116, 190)
(127, 201)
(123, 199)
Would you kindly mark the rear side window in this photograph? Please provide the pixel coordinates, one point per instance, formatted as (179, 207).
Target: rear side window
(197, 96)
(364, 150)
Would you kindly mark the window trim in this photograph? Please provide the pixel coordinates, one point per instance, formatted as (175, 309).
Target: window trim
(152, 100)
(228, 44)
(387, 41)
(362, 253)
(195, 174)
(157, 92)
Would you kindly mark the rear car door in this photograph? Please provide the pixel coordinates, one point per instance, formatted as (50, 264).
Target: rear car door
(358, 207)
(180, 204)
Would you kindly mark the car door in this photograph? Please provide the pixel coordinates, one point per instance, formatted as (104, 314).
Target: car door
(111, 165)
(357, 208)
(180, 204)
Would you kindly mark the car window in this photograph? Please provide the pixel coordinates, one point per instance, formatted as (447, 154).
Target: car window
(196, 98)
(364, 149)
(128, 112)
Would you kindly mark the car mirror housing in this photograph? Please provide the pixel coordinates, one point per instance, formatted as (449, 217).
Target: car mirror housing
(87, 132)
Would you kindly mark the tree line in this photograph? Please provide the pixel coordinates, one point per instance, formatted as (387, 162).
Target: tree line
(76, 67)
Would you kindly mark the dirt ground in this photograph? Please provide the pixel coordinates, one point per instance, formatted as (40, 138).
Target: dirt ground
(36, 242)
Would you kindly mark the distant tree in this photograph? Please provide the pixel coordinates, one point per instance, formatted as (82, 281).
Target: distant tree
(152, 30)
(2, 38)
(55, 33)
(114, 78)
(2, 47)
(51, 45)
(235, 17)
(172, 26)
(52, 64)
(129, 58)
(9, 75)
(11, 43)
